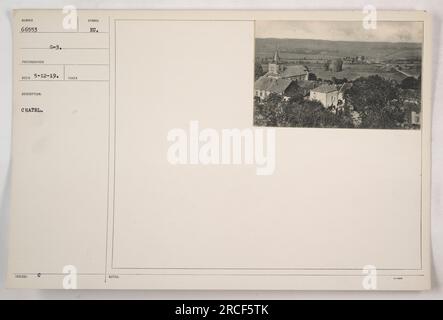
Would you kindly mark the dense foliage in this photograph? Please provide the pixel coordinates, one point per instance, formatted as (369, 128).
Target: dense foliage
(371, 102)
(258, 72)
(379, 102)
(298, 112)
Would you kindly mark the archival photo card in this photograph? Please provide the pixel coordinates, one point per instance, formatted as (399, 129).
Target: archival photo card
(338, 74)
(146, 155)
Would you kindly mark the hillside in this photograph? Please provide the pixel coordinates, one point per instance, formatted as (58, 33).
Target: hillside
(299, 48)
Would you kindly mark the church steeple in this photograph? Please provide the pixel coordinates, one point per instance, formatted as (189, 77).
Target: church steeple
(274, 66)
(276, 56)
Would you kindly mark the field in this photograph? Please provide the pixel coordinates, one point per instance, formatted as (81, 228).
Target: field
(394, 61)
(354, 71)
(295, 49)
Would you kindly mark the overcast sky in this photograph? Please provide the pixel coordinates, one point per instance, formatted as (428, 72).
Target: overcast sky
(386, 31)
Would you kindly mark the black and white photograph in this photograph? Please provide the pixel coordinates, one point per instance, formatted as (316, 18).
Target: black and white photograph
(338, 74)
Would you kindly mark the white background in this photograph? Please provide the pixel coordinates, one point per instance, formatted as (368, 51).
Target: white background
(433, 6)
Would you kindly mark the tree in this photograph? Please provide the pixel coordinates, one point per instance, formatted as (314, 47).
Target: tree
(258, 70)
(298, 112)
(326, 65)
(410, 83)
(310, 113)
(268, 113)
(377, 102)
(312, 76)
(336, 65)
(338, 81)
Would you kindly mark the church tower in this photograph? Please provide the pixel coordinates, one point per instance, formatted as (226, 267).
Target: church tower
(274, 65)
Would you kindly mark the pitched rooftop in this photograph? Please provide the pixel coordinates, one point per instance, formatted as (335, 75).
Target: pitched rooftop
(293, 71)
(325, 88)
(272, 85)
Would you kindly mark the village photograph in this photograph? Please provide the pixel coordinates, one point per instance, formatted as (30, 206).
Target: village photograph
(338, 74)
